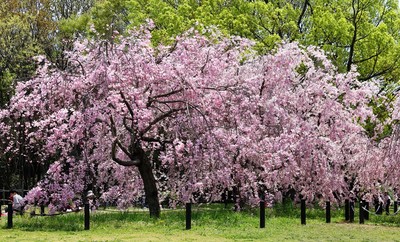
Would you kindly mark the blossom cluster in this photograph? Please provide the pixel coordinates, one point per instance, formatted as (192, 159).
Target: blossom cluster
(209, 114)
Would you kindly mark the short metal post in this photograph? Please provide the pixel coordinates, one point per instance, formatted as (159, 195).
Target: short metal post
(361, 212)
(188, 216)
(387, 206)
(303, 211)
(41, 210)
(87, 216)
(328, 212)
(9, 216)
(347, 210)
(262, 212)
(395, 206)
(351, 212)
(366, 212)
(225, 198)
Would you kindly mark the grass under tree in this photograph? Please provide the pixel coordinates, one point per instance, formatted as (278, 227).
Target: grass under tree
(209, 223)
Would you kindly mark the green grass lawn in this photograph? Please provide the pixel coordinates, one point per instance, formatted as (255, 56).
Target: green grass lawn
(210, 223)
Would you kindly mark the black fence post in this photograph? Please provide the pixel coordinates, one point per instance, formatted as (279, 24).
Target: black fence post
(9, 216)
(188, 216)
(262, 212)
(225, 198)
(346, 210)
(351, 212)
(87, 216)
(387, 206)
(41, 210)
(361, 212)
(395, 206)
(328, 212)
(366, 206)
(303, 211)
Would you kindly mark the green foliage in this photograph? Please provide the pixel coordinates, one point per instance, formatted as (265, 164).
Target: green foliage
(352, 32)
(28, 29)
(75, 25)
(359, 32)
(16, 50)
(6, 86)
(256, 20)
(109, 16)
(62, 9)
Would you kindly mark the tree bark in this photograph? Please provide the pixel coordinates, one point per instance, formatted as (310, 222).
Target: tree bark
(150, 187)
(303, 11)
(354, 38)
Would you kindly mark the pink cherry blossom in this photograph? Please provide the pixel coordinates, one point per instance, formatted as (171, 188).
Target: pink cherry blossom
(202, 116)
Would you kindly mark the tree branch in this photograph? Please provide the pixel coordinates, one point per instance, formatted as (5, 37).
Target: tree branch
(303, 11)
(151, 139)
(113, 129)
(151, 99)
(127, 126)
(116, 141)
(368, 58)
(159, 118)
(127, 105)
(133, 162)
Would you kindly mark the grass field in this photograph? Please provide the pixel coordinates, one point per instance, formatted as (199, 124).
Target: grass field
(210, 223)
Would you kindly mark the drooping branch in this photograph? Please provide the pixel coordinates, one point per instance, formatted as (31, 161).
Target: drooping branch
(124, 121)
(113, 129)
(132, 162)
(123, 148)
(130, 153)
(127, 105)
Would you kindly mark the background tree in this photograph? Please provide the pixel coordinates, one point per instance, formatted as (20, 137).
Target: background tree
(27, 29)
(357, 32)
(352, 32)
(30, 28)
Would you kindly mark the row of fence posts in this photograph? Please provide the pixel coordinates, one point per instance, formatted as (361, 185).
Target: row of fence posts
(10, 215)
(349, 213)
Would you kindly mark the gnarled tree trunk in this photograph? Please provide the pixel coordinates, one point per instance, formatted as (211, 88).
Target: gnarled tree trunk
(150, 187)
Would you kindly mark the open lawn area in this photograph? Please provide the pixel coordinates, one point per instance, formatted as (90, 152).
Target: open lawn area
(210, 223)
